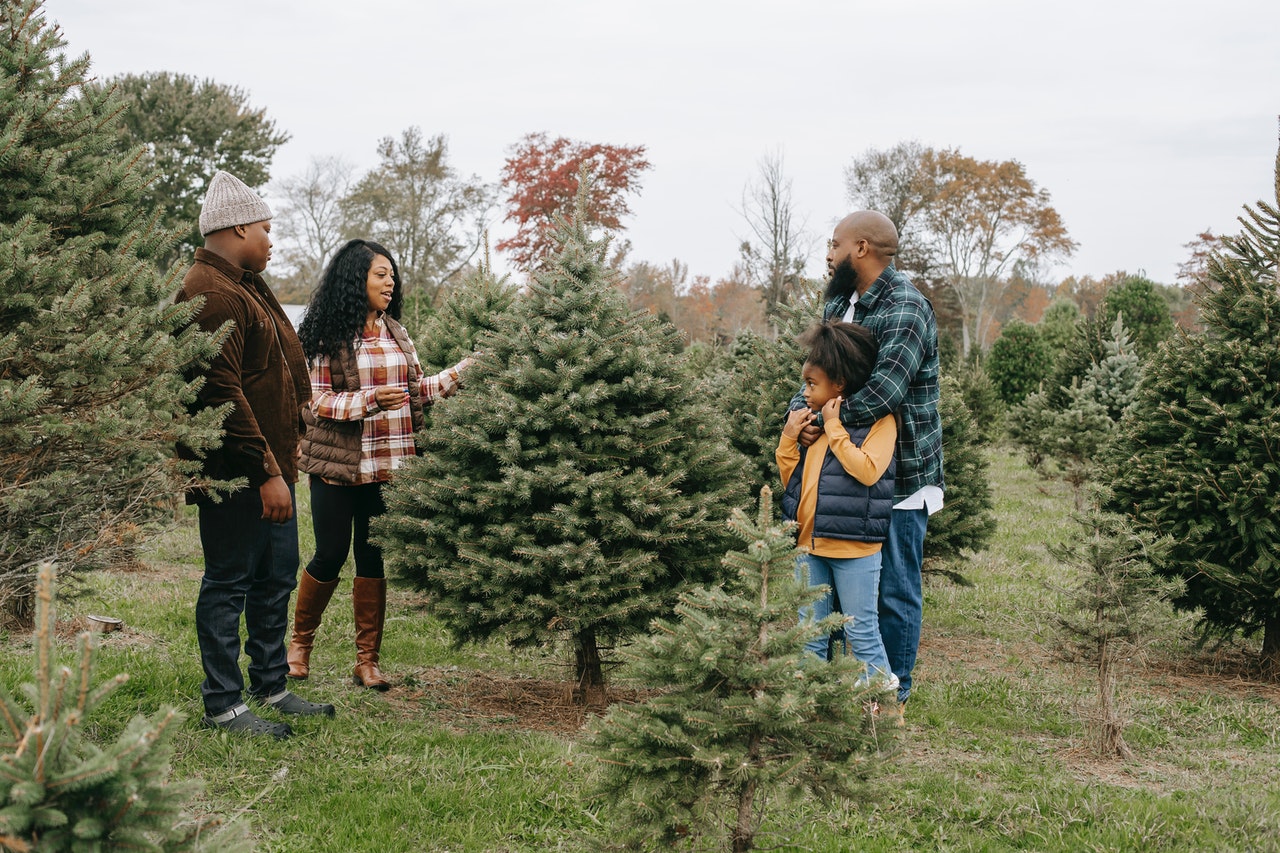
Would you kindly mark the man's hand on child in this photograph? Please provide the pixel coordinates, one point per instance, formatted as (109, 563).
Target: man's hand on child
(797, 420)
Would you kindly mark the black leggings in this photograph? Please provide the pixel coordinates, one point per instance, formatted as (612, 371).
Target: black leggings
(335, 512)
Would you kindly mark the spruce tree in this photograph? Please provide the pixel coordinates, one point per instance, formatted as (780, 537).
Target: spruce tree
(1112, 607)
(91, 391)
(578, 481)
(469, 311)
(61, 791)
(744, 715)
(1198, 458)
(967, 519)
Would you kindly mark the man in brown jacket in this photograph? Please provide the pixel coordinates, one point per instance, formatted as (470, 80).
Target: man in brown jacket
(249, 536)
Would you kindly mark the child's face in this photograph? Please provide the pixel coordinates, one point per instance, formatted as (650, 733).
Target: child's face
(818, 387)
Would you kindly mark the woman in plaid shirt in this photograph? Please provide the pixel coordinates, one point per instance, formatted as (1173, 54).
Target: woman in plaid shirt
(367, 394)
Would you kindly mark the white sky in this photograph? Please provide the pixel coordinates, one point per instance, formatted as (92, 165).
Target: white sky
(1146, 121)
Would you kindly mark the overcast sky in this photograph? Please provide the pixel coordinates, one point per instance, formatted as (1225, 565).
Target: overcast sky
(1147, 122)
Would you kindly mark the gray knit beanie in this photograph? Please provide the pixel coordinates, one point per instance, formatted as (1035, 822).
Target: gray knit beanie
(230, 202)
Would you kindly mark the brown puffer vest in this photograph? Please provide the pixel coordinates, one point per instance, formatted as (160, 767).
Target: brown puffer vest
(331, 449)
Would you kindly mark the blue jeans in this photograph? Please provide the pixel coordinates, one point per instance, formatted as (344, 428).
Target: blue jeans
(250, 569)
(901, 593)
(854, 582)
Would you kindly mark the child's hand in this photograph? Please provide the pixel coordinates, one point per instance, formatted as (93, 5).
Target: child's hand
(797, 420)
(831, 411)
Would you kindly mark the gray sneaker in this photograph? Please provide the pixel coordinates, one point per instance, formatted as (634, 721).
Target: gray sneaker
(290, 703)
(241, 719)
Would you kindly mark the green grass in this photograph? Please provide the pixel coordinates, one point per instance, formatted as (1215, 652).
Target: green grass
(994, 757)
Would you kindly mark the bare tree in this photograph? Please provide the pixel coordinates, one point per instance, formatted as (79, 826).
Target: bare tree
(309, 222)
(774, 253)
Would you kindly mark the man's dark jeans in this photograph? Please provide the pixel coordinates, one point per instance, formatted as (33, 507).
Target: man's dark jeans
(250, 568)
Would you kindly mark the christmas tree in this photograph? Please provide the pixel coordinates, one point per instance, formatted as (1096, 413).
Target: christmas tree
(577, 483)
(1112, 608)
(967, 519)
(469, 311)
(1197, 457)
(744, 714)
(91, 391)
(60, 791)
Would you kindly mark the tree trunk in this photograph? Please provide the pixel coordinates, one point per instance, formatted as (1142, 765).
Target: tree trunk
(1110, 727)
(744, 832)
(588, 671)
(1271, 646)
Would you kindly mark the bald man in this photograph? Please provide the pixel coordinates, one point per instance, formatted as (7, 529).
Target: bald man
(867, 289)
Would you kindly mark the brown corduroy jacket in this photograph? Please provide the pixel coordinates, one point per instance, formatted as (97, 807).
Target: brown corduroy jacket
(261, 371)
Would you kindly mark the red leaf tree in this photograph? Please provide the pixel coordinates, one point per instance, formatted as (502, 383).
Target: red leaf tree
(541, 176)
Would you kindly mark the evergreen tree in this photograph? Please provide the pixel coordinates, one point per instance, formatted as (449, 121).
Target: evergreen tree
(91, 391)
(744, 714)
(1197, 459)
(1018, 362)
(469, 311)
(577, 483)
(1057, 326)
(1146, 311)
(60, 791)
(967, 520)
(1113, 607)
(761, 377)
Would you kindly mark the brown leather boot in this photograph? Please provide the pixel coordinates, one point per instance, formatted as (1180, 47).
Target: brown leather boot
(369, 597)
(313, 598)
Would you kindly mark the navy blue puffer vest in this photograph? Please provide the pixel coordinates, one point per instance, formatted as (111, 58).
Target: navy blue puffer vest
(846, 509)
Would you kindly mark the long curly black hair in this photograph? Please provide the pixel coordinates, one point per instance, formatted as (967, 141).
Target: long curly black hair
(338, 308)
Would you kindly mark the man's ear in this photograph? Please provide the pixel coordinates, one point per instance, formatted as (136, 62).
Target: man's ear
(241, 230)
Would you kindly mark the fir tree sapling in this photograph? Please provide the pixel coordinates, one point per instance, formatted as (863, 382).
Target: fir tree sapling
(1198, 457)
(967, 519)
(60, 791)
(1114, 606)
(744, 715)
(577, 482)
(92, 396)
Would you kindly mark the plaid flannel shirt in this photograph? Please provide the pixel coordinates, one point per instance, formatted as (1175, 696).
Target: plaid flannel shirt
(387, 437)
(905, 379)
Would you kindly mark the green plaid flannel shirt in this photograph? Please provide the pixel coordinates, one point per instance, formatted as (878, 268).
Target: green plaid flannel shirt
(905, 378)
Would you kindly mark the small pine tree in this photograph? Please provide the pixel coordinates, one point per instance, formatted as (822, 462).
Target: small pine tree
(1018, 362)
(91, 391)
(967, 519)
(578, 481)
(60, 791)
(1197, 457)
(1114, 606)
(744, 713)
(1146, 311)
(466, 314)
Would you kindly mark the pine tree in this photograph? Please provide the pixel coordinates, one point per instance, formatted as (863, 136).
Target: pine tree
(1199, 455)
(91, 391)
(468, 312)
(578, 481)
(1018, 362)
(1113, 607)
(743, 714)
(60, 791)
(967, 520)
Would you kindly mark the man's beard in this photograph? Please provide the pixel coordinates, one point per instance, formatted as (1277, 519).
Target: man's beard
(844, 281)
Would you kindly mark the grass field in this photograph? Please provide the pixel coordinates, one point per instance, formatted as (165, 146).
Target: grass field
(475, 749)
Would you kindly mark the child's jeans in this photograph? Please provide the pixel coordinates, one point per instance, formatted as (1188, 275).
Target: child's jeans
(855, 584)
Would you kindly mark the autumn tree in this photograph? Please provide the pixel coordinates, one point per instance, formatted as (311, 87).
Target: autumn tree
(540, 178)
(773, 254)
(415, 203)
(188, 130)
(1086, 292)
(985, 219)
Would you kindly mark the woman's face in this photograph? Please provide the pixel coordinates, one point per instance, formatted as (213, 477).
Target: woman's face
(380, 286)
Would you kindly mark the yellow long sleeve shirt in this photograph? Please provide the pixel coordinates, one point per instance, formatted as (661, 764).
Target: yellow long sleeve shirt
(866, 464)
